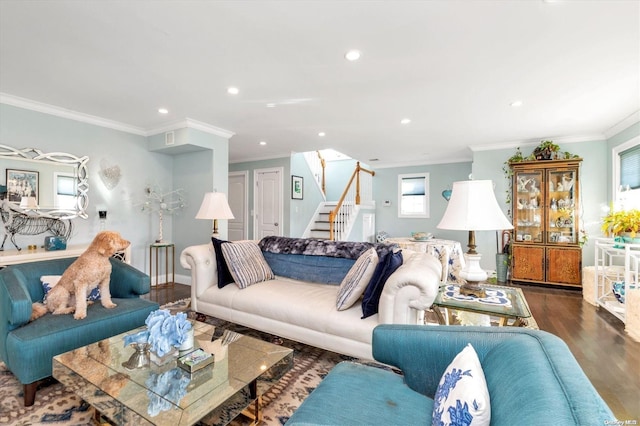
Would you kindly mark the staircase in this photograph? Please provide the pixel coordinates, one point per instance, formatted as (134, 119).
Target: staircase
(320, 227)
(334, 220)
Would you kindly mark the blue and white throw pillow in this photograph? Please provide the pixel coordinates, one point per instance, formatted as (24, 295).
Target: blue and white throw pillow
(50, 281)
(246, 263)
(356, 280)
(462, 397)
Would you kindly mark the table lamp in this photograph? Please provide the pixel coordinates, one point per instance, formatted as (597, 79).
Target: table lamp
(214, 206)
(473, 207)
(28, 203)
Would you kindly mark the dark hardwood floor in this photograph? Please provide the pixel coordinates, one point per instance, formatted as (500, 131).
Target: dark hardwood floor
(608, 356)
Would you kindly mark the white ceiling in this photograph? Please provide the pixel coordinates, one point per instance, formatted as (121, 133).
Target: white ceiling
(452, 67)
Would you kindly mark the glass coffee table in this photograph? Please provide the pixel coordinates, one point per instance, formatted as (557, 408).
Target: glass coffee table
(244, 369)
(506, 303)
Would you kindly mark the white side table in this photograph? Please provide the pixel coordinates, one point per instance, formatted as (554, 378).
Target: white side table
(160, 253)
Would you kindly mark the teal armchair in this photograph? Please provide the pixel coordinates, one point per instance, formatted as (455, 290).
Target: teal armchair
(27, 348)
(532, 377)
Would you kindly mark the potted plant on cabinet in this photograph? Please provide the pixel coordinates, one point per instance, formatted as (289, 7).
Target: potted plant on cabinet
(622, 223)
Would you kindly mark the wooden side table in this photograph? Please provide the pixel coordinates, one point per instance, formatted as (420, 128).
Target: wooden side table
(159, 252)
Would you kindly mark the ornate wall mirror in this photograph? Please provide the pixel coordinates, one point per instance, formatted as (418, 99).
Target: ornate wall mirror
(50, 185)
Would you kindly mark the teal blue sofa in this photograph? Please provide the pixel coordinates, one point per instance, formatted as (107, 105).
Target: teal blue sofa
(532, 377)
(27, 348)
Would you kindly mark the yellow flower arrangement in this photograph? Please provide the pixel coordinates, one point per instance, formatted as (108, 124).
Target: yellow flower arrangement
(618, 222)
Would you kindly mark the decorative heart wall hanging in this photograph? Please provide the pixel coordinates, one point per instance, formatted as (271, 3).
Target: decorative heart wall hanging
(446, 194)
(109, 174)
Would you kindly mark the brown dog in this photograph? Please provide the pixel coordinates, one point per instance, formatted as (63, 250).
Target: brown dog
(92, 269)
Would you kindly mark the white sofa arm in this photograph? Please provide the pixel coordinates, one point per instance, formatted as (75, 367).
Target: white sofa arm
(411, 289)
(201, 259)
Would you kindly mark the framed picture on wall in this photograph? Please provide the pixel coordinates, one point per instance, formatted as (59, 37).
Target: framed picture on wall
(22, 183)
(297, 184)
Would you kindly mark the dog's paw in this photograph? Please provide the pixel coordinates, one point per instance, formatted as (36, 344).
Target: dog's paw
(80, 315)
(110, 305)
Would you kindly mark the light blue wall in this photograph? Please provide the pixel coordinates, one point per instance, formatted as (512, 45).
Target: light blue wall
(302, 211)
(441, 177)
(338, 174)
(23, 128)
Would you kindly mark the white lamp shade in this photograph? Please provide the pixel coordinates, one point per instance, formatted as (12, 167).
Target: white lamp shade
(473, 207)
(28, 203)
(214, 206)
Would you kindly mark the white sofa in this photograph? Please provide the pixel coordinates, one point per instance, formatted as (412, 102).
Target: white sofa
(305, 311)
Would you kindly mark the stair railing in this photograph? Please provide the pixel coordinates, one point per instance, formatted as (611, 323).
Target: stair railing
(317, 165)
(353, 195)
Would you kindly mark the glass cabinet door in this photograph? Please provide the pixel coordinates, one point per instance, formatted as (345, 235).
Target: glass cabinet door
(528, 206)
(563, 226)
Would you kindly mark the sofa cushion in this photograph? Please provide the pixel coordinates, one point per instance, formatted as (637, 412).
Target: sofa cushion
(356, 280)
(50, 281)
(224, 275)
(246, 263)
(383, 271)
(358, 394)
(462, 396)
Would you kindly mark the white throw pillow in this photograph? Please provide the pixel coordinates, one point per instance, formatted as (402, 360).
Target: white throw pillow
(462, 397)
(246, 263)
(50, 281)
(356, 280)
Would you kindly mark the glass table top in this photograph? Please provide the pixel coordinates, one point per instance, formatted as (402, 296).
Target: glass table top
(168, 395)
(500, 300)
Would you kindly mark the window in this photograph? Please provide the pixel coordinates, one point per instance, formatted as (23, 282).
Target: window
(413, 193)
(627, 174)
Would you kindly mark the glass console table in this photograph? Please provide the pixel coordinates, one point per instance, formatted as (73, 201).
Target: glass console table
(506, 303)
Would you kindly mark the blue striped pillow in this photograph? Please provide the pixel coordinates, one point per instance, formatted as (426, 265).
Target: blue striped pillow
(246, 263)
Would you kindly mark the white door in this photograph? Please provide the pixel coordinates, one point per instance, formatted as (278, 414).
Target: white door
(238, 201)
(268, 203)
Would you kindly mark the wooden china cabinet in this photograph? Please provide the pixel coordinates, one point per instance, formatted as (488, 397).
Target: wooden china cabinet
(546, 203)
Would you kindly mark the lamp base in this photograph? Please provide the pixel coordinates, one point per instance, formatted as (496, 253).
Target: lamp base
(471, 288)
(473, 275)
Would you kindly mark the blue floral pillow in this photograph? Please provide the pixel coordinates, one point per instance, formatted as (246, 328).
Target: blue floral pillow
(462, 397)
(50, 281)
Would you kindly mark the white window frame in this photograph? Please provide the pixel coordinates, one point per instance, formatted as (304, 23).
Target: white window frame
(623, 199)
(424, 213)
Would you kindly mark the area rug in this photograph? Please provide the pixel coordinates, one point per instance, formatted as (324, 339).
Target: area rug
(55, 405)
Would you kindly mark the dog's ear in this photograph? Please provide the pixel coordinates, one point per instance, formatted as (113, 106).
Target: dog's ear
(103, 242)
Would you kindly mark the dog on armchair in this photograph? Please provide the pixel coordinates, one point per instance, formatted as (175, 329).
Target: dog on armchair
(92, 269)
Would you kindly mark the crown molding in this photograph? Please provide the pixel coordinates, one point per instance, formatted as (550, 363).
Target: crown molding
(111, 124)
(69, 114)
(624, 124)
(532, 142)
(192, 124)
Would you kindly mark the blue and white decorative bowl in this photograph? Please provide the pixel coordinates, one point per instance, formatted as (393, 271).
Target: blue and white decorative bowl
(618, 290)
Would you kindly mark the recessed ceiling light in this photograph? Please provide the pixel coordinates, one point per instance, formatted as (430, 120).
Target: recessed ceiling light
(321, 134)
(233, 90)
(163, 111)
(516, 104)
(352, 55)
(405, 121)
(262, 143)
